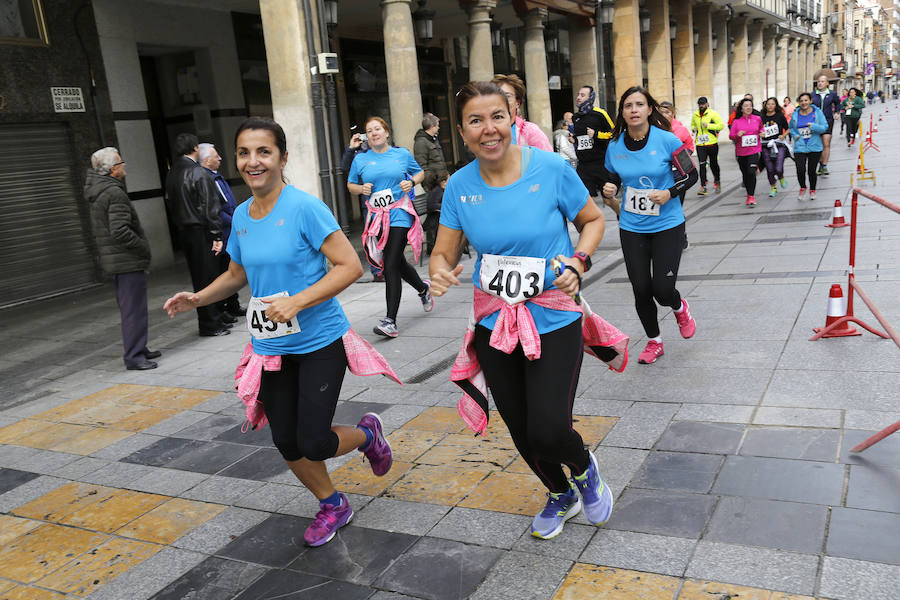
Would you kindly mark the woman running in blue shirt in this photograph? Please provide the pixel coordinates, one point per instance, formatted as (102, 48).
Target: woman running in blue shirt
(651, 228)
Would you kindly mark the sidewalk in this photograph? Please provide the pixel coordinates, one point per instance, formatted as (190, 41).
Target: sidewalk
(728, 457)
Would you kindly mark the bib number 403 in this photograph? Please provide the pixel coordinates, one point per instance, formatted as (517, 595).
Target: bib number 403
(513, 278)
(509, 283)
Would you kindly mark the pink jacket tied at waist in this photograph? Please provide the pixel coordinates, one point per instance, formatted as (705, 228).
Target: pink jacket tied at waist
(514, 326)
(378, 225)
(362, 359)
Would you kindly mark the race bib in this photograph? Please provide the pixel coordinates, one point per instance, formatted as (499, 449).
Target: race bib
(771, 130)
(703, 139)
(805, 132)
(513, 278)
(381, 199)
(585, 142)
(638, 202)
(749, 140)
(259, 325)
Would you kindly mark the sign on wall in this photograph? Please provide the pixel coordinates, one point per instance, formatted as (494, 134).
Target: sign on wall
(837, 61)
(67, 99)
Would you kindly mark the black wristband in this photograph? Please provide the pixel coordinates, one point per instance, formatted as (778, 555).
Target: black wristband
(577, 274)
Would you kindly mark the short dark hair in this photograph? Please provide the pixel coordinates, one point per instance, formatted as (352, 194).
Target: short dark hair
(185, 143)
(588, 87)
(268, 125)
(801, 94)
(474, 89)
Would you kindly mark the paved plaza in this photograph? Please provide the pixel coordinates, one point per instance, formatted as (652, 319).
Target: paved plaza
(728, 457)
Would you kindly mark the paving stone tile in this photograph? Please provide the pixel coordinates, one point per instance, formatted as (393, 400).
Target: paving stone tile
(437, 419)
(356, 477)
(686, 384)
(874, 488)
(79, 468)
(12, 527)
(819, 389)
(305, 504)
(678, 471)
(292, 584)
(162, 452)
(618, 465)
(111, 513)
(409, 444)
(400, 414)
(754, 567)
(638, 551)
(260, 437)
(16, 457)
(169, 521)
(569, 545)
(56, 505)
(349, 413)
(520, 576)
(147, 578)
(210, 457)
(665, 513)
(641, 426)
(436, 484)
(90, 441)
(690, 436)
(270, 497)
(21, 592)
(780, 479)
(176, 423)
(458, 449)
(220, 530)
(518, 493)
(389, 596)
(213, 579)
(714, 413)
(12, 478)
(262, 464)
(858, 580)
(168, 482)
(588, 582)
(414, 518)
(222, 490)
(707, 590)
(869, 420)
(208, 427)
(482, 527)
(217, 403)
(126, 446)
(437, 569)
(356, 554)
(587, 405)
(275, 542)
(798, 417)
(864, 535)
(885, 453)
(796, 443)
(116, 474)
(46, 462)
(43, 550)
(769, 523)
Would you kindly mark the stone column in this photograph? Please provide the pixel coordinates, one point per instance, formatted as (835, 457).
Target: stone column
(536, 71)
(782, 43)
(739, 61)
(404, 94)
(755, 83)
(807, 66)
(720, 99)
(481, 53)
(793, 69)
(769, 63)
(703, 55)
(583, 52)
(683, 57)
(627, 45)
(289, 81)
(659, 51)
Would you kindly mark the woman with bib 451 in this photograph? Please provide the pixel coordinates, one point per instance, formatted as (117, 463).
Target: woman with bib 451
(387, 175)
(301, 342)
(640, 158)
(526, 333)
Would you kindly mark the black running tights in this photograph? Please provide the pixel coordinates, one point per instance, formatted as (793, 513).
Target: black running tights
(652, 261)
(535, 398)
(749, 169)
(397, 270)
(710, 152)
(807, 164)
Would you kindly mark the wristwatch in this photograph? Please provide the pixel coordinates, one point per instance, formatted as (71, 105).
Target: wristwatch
(585, 260)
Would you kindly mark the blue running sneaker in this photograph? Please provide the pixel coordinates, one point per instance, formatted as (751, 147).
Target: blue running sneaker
(560, 508)
(596, 495)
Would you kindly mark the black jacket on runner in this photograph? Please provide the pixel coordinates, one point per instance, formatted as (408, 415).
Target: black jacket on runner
(592, 148)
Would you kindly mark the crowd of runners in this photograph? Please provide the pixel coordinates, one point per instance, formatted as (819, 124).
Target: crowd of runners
(513, 203)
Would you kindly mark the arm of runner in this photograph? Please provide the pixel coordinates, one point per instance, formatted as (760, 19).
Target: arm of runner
(443, 268)
(225, 285)
(591, 225)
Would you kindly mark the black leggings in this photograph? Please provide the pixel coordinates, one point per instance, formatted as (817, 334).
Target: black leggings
(397, 270)
(712, 153)
(807, 163)
(535, 399)
(300, 399)
(852, 124)
(652, 261)
(749, 168)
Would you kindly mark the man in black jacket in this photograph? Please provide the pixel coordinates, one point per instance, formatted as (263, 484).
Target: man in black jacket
(124, 251)
(194, 205)
(592, 129)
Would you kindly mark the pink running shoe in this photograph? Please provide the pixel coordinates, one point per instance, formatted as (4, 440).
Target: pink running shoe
(686, 323)
(653, 351)
(379, 451)
(328, 520)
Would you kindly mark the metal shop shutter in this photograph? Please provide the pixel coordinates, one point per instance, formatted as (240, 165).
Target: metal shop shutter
(44, 247)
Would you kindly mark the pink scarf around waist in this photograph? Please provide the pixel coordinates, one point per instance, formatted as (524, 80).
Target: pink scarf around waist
(378, 225)
(515, 326)
(362, 359)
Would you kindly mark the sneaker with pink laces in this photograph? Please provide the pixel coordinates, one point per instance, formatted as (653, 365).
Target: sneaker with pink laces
(378, 451)
(653, 351)
(328, 520)
(686, 323)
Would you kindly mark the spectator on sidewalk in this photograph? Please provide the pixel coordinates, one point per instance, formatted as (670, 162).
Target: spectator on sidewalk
(427, 150)
(194, 205)
(211, 160)
(562, 143)
(124, 251)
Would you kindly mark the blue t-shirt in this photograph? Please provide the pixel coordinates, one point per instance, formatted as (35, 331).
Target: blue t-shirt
(281, 252)
(386, 170)
(525, 218)
(648, 168)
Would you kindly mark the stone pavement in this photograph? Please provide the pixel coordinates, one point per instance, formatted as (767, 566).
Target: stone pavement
(729, 456)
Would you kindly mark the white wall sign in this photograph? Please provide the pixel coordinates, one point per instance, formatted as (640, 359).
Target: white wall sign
(67, 99)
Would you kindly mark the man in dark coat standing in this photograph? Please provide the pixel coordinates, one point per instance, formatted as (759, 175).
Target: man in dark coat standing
(124, 251)
(428, 152)
(194, 205)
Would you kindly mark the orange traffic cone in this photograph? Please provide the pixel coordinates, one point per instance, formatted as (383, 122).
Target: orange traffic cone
(837, 216)
(837, 309)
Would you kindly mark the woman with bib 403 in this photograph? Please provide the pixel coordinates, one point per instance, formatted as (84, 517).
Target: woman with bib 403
(291, 373)
(526, 335)
(641, 158)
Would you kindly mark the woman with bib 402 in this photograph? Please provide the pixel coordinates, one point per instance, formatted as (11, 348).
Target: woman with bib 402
(526, 335)
(641, 158)
(291, 373)
(387, 175)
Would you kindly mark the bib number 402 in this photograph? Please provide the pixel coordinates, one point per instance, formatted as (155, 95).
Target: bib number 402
(509, 284)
